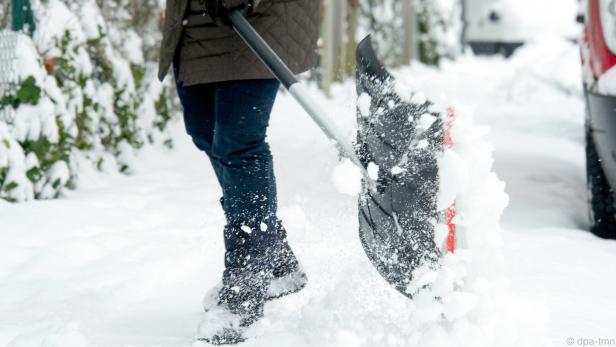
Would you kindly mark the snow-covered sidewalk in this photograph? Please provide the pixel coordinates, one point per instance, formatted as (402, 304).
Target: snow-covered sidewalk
(124, 261)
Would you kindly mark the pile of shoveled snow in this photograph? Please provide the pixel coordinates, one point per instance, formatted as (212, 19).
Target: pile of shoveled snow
(479, 308)
(476, 302)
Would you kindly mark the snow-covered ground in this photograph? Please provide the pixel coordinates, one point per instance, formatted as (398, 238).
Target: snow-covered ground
(124, 261)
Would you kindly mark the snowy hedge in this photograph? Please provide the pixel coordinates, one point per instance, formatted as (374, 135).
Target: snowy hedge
(85, 95)
(439, 28)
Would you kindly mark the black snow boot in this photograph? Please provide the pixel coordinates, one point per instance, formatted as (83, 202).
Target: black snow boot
(238, 301)
(288, 276)
(239, 304)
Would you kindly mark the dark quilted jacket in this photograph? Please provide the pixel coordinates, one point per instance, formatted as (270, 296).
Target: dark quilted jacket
(208, 53)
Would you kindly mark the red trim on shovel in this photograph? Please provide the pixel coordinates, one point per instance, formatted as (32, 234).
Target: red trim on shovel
(450, 213)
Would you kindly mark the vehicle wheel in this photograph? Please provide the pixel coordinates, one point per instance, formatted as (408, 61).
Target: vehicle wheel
(601, 195)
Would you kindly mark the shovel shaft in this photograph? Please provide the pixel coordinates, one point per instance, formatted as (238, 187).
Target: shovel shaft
(282, 72)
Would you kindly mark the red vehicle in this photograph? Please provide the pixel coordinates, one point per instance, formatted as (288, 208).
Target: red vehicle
(598, 48)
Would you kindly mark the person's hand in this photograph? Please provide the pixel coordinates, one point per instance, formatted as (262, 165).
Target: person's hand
(218, 9)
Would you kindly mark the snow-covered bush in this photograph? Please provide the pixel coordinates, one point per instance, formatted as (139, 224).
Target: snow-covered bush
(143, 17)
(86, 96)
(33, 156)
(440, 29)
(381, 19)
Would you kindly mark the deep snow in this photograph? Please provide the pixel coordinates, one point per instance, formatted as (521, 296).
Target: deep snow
(124, 261)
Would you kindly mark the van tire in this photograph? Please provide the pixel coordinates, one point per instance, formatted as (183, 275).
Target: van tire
(602, 212)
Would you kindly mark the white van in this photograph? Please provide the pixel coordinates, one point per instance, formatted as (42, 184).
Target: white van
(501, 26)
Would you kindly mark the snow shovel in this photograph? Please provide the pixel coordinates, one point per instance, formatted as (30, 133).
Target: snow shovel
(397, 213)
(403, 136)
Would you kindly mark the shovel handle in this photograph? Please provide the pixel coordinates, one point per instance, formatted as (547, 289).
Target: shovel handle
(288, 79)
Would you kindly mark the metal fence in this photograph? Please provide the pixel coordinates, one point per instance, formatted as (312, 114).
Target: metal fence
(8, 68)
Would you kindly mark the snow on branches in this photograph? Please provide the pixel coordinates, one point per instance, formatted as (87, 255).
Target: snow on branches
(440, 29)
(438, 26)
(85, 95)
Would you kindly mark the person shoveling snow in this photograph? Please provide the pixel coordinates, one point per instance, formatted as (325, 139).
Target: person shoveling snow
(407, 208)
(227, 97)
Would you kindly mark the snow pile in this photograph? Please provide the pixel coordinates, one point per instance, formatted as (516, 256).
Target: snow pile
(84, 98)
(473, 304)
(347, 178)
(550, 59)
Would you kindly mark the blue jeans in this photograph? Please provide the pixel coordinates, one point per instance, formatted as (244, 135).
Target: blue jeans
(228, 121)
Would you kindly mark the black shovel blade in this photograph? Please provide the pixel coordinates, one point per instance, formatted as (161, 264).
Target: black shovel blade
(402, 138)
